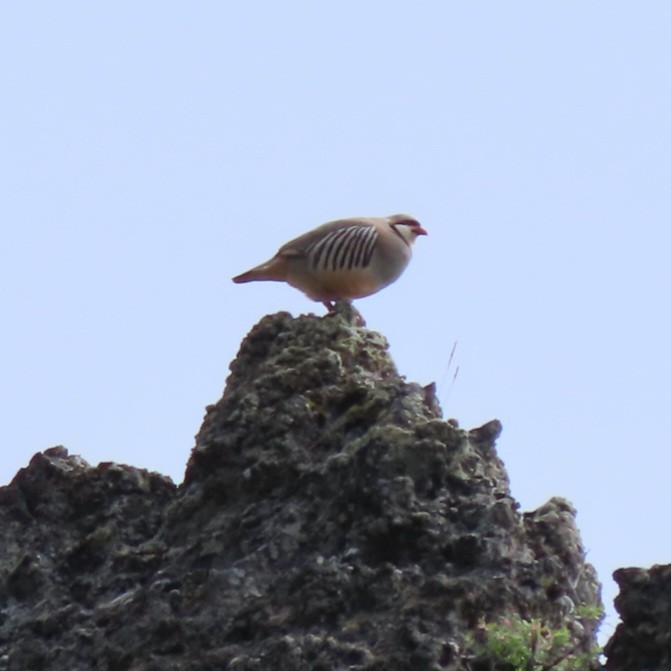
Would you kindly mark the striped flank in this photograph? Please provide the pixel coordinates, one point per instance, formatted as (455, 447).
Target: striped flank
(346, 248)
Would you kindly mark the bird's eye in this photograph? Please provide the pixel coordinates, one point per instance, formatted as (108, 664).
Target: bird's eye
(412, 226)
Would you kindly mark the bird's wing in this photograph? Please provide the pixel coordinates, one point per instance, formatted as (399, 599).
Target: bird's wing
(300, 246)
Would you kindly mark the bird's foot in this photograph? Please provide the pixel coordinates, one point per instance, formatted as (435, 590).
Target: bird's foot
(346, 310)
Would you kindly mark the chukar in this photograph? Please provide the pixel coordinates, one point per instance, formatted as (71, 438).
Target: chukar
(343, 259)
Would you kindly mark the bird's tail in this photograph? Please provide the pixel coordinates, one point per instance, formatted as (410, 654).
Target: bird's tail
(271, 271)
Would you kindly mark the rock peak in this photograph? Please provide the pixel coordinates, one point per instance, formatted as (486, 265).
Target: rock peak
(329, 519)
(303, 383)
(340, 469)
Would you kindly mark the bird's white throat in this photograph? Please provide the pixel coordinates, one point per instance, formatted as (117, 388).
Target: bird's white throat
(406, 233)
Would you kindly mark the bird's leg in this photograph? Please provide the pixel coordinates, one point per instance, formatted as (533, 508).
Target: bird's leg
(347, 310)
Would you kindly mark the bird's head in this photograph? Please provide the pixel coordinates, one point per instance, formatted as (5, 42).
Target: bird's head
(406, 227)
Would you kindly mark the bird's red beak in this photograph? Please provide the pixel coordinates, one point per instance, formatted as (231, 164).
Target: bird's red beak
(419, 230)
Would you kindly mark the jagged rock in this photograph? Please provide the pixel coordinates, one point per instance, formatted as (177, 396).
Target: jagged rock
(73, 539)
(329, 519)
(642, 642)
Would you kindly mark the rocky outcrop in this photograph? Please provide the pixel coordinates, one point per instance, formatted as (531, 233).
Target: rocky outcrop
(329, 519)
(79, 545)
(642, 642)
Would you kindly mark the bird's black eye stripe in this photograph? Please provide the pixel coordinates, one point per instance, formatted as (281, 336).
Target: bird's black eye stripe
(411, 223)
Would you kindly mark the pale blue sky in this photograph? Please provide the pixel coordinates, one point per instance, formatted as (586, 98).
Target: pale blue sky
(149, 151)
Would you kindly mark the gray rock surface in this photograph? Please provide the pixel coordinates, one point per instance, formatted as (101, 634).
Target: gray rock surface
(642, 642)
(329, 519)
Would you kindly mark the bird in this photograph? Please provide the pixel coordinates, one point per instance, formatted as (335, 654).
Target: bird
(343, 259)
